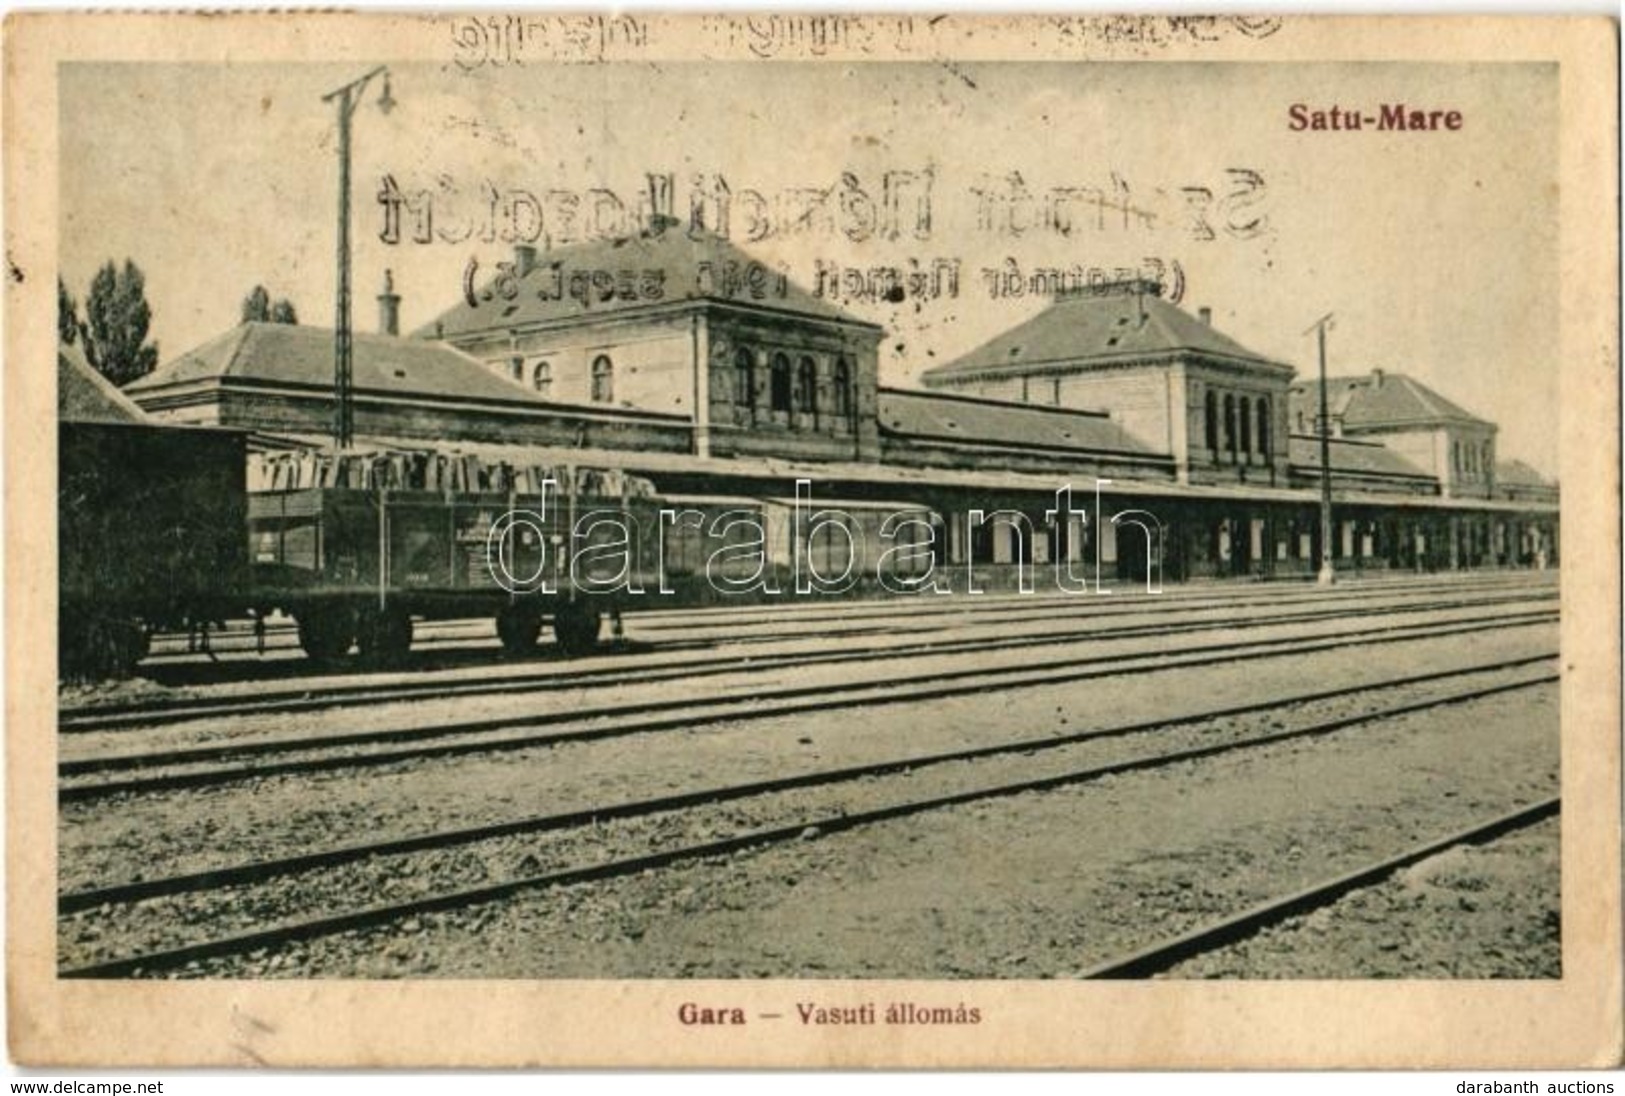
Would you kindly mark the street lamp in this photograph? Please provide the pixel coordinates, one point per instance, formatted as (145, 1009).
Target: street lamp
(1327, 575)
(347, 98)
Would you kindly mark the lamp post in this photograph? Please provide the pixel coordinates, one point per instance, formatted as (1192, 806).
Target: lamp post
(347, 98)
(1327, 575)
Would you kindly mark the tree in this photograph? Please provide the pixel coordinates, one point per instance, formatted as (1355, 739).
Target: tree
(117, 319)
(67, 315)
(257, 308)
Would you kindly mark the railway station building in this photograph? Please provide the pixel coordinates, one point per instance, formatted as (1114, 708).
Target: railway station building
(676, 355)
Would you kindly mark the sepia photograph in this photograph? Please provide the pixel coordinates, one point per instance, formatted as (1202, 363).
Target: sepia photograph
(849, 532)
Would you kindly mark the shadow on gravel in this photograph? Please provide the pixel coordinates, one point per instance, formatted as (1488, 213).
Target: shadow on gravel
(285, 665)
(243, 668)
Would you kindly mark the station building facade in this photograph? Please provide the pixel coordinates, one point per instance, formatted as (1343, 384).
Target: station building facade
(1403, 415)
(680, 324)
(1405, 461)
(676, 355)
(1216, 409)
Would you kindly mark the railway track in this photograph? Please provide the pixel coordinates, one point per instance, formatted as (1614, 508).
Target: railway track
(887, 611)
(1218, 592)
(223, 876)
(149, 713)
(1159, 958)
(817, 820)
(472, 638)
(98, 777)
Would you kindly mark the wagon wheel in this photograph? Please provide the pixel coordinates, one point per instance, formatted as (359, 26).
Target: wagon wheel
(102, 647)
(517, 628)
(326, 634)
(133, 643)
(385, 635)
(575, 626)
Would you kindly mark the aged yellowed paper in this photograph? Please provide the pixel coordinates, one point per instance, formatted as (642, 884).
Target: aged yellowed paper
(812, 540)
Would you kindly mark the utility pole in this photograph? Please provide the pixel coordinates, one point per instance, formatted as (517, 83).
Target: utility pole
(1327, 575)
(347, 98)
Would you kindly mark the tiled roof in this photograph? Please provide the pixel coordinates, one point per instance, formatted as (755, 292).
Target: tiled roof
(1515, 473)
(301, 355)
(1097, 327)
(776, 475)
(930, 416)
(84, 395)
(1380, 398)
(1359, 457)
(680, 254)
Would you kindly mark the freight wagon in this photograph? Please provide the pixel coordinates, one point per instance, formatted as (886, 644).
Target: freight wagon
(150, 524)
(356, 546)
(355, 566)
(169, 528)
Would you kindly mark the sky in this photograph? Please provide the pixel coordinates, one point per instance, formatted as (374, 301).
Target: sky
(1437, 252)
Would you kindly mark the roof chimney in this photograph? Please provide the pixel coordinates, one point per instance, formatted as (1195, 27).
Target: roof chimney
(524, 259)
(1205, 314)
(660, 204)
(389, 307)
(1376, 378)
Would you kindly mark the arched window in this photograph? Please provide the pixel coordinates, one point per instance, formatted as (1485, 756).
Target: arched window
(807, 387)
(1244, 416)
(1211, 422)
(841, 388)
(745, 377)
(603, 380)
(781, 383)
(1230, 425)
(1264, 426)
(541, 378)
